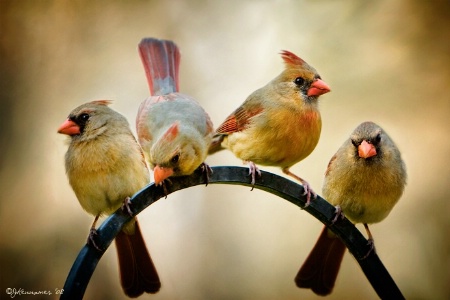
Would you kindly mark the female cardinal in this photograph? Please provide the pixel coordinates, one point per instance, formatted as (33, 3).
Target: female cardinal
(105, 165)
(365, 178)
(173, 129)
(278, 124)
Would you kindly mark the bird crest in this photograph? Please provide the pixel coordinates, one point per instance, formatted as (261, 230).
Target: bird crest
(102, 102)
(171, 133)
(291, 59)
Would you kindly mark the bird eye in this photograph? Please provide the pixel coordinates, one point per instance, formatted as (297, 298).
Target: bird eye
(83, 117)
(378, 138)
(175, 158)
(299, 81)
(355, 143)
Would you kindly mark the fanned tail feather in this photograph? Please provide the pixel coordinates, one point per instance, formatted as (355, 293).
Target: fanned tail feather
(161, 59)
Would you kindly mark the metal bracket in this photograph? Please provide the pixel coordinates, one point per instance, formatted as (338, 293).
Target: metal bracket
(86, 262)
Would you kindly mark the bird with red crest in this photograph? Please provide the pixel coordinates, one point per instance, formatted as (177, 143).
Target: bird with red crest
(278, 124)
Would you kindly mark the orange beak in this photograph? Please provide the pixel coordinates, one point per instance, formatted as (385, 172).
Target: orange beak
(366, 150)
(160, 174)
(318, 87)
(69, 127)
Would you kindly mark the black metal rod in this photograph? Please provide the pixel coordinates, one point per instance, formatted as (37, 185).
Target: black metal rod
(373, 268)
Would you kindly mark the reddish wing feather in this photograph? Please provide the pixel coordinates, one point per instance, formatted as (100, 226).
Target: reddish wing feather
(209, 125)
(329, 164)
(228, 126)
(238, 120)
(141, 126)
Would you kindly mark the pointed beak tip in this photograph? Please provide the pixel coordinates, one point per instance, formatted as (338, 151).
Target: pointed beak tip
(160, 174)
(366, 150)
(318, 87)
(69, 127)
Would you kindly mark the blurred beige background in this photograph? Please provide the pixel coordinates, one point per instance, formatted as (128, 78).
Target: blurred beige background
(386, 61)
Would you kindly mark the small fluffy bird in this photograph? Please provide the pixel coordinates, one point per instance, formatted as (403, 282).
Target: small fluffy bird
(364, 179)
(173, 129)
(105, 165)
(278, 124)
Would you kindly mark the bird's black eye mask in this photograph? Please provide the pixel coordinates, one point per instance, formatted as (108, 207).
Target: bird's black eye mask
(174, 162)
(304, 84)
(81, 120)
(373, 140)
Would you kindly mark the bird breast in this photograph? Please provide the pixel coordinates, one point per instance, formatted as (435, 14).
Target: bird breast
(366, 194)
(103, 173)
(281, 137)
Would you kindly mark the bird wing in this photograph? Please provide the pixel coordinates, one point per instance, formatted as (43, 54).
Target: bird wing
(239, 119)
(330, 163)
(142, 119)
(166, 109)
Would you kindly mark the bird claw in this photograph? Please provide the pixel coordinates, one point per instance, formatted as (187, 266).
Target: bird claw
(126, 206)
(308, 192)
(163, 184)
(338, 214)
(306, 187)
(371, 244)
(207, 171)
(93, 233)
(252, 170)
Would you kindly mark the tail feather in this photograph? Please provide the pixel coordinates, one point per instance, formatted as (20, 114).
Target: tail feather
(161, 59)
(137, 271)
(216, 144)
(320, 269)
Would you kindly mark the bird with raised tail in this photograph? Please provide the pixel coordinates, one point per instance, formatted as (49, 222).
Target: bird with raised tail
(364, 179)
(173, 129)
(278, 124)
(105, 165)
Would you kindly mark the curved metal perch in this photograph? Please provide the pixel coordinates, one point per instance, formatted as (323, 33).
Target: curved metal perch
(87, 259)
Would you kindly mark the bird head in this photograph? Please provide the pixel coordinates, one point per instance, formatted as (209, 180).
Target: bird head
(175, 154)
(300, 78)
(90, 120)
(368, 140)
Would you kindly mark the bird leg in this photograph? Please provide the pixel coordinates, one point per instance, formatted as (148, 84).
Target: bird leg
(252, 170)
(126, 206)
(163, 185)
(370, 241)
(207, 171)
(338, 214)
(92, 234)
(306, 186)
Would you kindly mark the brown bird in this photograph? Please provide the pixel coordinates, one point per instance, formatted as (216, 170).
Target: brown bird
(105, 166)
(364, 179)
(278, 124)
(173, 129)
